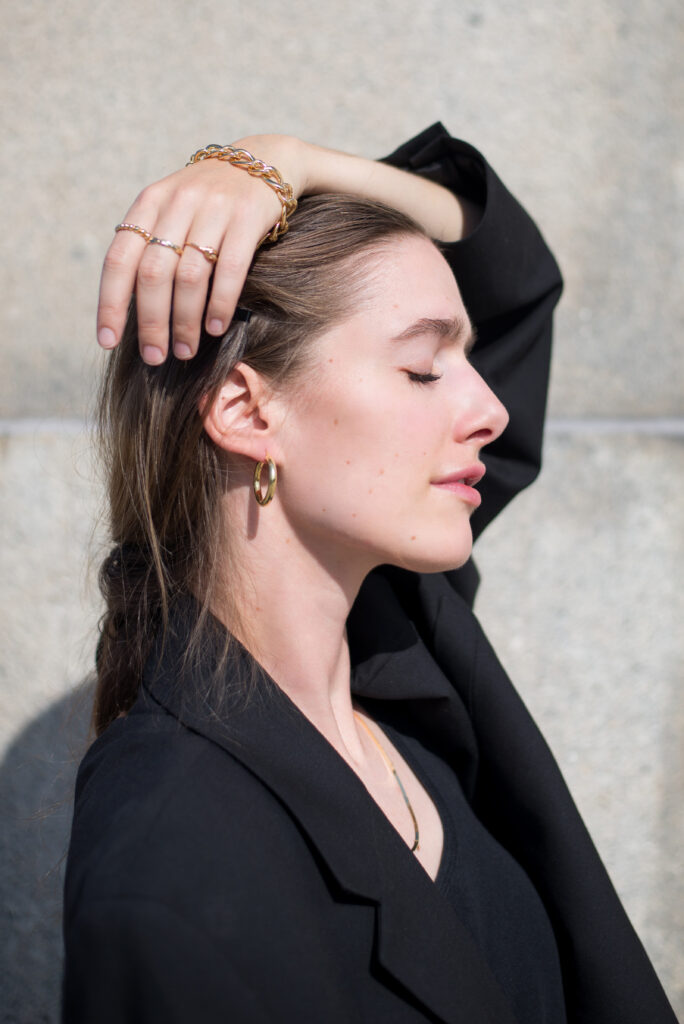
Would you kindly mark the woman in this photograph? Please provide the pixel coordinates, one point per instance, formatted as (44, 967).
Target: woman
(314, 794)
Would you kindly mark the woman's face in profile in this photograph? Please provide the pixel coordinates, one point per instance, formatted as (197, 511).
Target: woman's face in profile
(379, 456)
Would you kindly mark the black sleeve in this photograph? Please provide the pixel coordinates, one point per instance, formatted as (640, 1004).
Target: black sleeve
(516, 789)
(523, 801)
(510, 284)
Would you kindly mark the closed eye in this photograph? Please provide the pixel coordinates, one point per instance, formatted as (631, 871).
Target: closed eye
(423, 378)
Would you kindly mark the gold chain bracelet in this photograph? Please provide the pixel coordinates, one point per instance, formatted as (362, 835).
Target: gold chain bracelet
(258, 169)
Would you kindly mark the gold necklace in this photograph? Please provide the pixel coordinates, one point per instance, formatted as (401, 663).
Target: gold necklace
(416, 844)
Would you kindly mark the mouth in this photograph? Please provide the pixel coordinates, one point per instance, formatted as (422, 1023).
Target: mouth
(462, 483)
(470, 476)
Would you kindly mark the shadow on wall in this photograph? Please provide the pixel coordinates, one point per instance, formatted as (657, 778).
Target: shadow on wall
(36, 803)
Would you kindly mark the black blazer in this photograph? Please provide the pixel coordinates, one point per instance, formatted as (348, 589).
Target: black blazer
(228, 865)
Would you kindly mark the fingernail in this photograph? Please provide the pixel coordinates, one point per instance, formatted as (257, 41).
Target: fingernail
(153, 355)
(215, 326)
(182, 351)
(106, 337)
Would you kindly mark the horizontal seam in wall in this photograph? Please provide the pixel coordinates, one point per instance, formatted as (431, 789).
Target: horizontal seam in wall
(27, 426)
(657, 426)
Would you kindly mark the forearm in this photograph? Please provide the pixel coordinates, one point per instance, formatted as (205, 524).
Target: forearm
(444, 215)
(315, 169)
(229, 211)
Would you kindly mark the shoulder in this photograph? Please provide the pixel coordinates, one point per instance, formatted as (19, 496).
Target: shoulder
(165, 814)
(183, 861)
(158, 885)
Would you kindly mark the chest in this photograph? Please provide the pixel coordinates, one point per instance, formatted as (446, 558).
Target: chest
(406, 803)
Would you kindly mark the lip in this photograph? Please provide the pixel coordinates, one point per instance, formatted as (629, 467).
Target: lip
(462, 482)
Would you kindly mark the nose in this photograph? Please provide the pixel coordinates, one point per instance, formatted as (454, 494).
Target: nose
(482, 417)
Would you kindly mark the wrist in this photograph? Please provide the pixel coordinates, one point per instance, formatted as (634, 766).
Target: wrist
(284, 152)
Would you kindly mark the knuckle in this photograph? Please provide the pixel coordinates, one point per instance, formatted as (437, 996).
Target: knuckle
(190, 274)
(189, 194)
(219, 204)
(151, 272)
(146, 198)
(231, 265)
(150, 327)
(108, 313)
(185, 331)
(115, 259)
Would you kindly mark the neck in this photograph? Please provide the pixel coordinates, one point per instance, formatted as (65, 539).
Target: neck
(296, 600)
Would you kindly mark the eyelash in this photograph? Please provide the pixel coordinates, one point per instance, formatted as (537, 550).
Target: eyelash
(423, 378)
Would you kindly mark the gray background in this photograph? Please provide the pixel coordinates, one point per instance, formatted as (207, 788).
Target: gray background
(580, 109)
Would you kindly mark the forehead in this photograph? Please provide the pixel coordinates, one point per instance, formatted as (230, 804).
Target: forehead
(408, 300)
(408, 282)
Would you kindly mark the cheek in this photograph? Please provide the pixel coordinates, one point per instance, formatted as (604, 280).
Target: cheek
(352, 442)
(359, 470)
(365, 449)
(370, 456)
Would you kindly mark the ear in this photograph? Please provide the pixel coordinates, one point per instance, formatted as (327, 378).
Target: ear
(242, 418)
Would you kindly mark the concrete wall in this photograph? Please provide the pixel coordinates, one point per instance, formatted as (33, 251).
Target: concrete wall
(579, 107)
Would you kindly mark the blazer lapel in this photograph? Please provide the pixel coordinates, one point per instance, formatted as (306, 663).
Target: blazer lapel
(419, 939)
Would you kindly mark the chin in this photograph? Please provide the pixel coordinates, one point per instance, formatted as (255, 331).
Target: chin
(433, 561)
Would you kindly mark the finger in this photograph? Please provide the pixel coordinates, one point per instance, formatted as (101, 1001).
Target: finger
(155, 281)
(121, 265)
(153, 301)
(116, 285)
(191, 285)
(236, 254)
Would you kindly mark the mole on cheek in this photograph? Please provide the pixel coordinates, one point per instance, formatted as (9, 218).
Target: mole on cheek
(380, 472)
(335, 422)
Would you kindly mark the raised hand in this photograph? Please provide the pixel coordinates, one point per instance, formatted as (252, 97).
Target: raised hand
(212, 216)
(209, 216)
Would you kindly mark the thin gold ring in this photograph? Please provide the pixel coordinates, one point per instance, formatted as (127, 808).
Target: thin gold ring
(178, 249)
(134, 227)
(209, 254)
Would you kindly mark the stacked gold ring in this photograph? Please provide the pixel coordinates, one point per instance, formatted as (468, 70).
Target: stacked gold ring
(211, 255)
(178, 249)
(134, 227)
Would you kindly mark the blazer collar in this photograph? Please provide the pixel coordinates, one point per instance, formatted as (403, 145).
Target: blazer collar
(387, 655)
(419, 938)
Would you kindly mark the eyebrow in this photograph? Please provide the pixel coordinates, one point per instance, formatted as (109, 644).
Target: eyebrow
(455, 327)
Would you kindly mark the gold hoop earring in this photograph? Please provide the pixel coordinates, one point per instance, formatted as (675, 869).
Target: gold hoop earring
(272, 481)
